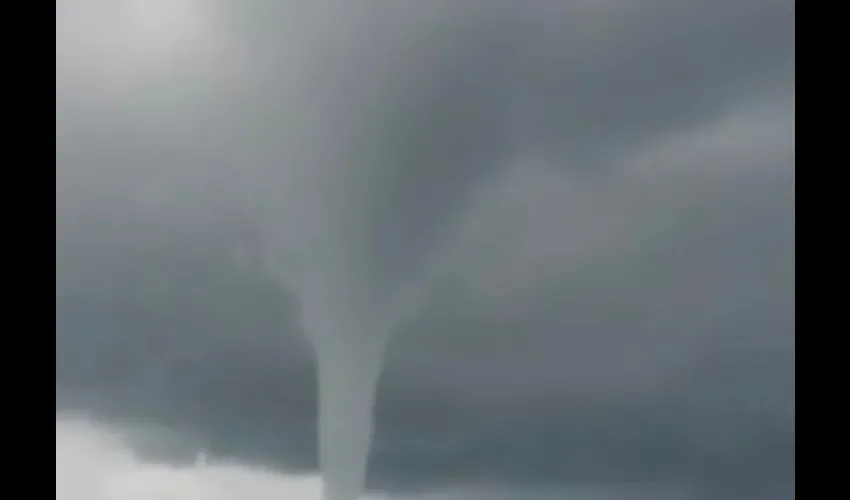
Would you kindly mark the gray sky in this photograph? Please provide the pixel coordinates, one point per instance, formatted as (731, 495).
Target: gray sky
(600, 193)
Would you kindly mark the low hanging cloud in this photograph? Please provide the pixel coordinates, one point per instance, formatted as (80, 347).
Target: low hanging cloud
(97, 462)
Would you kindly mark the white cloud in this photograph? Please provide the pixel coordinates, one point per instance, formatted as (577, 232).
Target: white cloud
(96, 463)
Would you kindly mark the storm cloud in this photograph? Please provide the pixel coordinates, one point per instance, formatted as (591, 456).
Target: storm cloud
(601, 193)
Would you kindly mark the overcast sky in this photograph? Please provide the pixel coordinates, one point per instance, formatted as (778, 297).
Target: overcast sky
(592, 201)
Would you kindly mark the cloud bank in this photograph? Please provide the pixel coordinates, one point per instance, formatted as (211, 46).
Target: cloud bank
(96, 462)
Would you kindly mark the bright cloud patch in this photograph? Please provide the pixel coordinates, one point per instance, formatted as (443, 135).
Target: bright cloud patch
(93, 463)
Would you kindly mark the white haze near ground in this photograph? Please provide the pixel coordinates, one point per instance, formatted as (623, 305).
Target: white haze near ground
(95, 462)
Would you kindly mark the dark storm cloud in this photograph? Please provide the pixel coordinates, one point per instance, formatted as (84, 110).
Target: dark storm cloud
(458, 97)
(620, 308)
